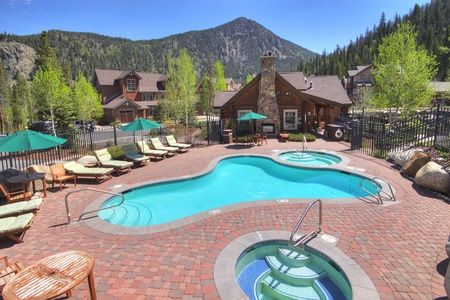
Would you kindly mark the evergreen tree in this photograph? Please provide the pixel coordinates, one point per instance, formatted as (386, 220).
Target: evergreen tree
(21, 105)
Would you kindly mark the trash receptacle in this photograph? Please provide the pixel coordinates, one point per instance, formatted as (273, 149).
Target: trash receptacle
(227, 136)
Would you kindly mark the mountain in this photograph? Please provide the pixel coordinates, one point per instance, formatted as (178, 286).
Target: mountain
(237, 44)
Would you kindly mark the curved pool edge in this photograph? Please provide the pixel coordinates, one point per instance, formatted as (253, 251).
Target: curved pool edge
(100, 225)
(224, 268)
(344, 159)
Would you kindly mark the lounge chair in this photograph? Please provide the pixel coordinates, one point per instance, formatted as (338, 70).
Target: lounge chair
(145, 149)
(105, 160)
(8, 271)
(14, 194)
(131, 154)
(15, 227)
(156, 143)
(100, 174)
(21, 207)
(173, 143)
(60, 175)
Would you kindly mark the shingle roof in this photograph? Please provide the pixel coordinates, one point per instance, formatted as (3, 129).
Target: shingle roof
(222, 97)
(120, 100)
(328, 88)
(296, 79)
(440, 86)
(147, 83)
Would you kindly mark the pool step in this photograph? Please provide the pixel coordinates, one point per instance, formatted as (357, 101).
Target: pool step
(296, 275)
(297, 258)
(276, 288)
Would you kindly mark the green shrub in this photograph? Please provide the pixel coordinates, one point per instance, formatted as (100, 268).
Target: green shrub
(298, 137)
(116, 152)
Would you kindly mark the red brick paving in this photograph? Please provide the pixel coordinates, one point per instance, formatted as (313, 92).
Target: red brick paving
(399, 246)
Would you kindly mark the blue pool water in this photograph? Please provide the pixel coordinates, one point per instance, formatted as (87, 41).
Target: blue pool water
(233, 180)
(310, 158)
(276, 271)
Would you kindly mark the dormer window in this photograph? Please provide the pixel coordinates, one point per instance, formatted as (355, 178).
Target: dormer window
(131, 85)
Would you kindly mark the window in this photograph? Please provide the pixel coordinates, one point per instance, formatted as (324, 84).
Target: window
(131, 85)
(147, 96)
(290, 119)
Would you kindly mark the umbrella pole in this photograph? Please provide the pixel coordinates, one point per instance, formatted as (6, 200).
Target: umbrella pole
(26, 162)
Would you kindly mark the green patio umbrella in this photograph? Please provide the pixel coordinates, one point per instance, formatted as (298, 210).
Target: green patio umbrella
(250, 117)
(26, 140)
(140, 124)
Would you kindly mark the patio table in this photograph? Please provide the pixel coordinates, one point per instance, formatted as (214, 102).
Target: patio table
(24, 179)
(52, 276)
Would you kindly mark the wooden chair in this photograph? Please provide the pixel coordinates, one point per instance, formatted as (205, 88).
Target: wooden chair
(7, 273)
(59, 174)
(14, 194)
(264, 137)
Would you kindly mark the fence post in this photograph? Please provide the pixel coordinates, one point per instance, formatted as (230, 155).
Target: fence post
(115, 135)
(436, 124)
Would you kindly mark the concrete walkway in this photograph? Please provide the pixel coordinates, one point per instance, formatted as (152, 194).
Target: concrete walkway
(400, 246)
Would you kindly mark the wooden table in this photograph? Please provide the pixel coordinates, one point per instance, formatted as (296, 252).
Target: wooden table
(284, 137)
(30, 177)
(52, 276)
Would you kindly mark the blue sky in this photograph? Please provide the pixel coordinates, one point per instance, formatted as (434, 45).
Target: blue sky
(315, 24)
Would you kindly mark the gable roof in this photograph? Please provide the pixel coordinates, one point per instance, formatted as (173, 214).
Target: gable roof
(120, 100)
(327, 90)
(148, 82)
(359, 69)
(440, 86)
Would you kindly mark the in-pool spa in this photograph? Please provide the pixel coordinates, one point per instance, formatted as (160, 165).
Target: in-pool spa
(312, 158)
(233, 180)
(274, 270)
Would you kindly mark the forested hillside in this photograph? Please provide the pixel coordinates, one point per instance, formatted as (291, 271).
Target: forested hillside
(432, 22)
(237, 44)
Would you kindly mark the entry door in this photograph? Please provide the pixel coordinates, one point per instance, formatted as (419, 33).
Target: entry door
(290, 119)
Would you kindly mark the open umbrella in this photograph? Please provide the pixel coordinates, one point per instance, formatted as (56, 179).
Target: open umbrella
(250, 117)
(141, 124)
(26, 140)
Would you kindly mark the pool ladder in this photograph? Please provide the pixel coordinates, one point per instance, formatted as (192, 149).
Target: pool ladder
(301, 241)
(379, 190)
(93, 211)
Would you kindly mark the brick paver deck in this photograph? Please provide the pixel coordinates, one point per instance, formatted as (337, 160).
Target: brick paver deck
(399, 246)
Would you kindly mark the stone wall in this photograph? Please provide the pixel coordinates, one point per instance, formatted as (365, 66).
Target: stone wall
(267, 99)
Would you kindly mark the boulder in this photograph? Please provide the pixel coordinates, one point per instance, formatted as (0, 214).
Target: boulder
(416, 162)
(432, 176)
(402, 156)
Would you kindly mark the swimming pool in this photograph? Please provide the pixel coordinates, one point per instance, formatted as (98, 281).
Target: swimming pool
(313, 158)
(233, 180)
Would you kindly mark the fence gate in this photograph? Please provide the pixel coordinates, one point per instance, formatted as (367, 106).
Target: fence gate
(214, 133)
(356, 135)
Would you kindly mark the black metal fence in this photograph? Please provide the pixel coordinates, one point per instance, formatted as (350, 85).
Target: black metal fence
(373, 135)
(78, 144)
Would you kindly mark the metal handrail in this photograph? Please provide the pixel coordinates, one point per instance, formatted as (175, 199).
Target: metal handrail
(302, 240)
(379, 190)
(89, 212)
(304, 144)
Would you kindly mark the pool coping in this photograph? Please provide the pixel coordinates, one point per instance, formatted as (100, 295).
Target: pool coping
(224, 268)
(96, 223)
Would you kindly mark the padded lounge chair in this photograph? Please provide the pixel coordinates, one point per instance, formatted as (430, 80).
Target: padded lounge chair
(145, 149)
(173, 143)
(8, 271)
(19, 208)
(104, 159)
(156, 143)
(15, 227)
(60, 175)
(100, 174)
(131, 154)
(15, 194)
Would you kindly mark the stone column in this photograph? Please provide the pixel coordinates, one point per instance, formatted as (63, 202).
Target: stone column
(267, 99)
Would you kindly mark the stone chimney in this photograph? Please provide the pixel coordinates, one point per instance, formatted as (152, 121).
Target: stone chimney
(267, 99)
